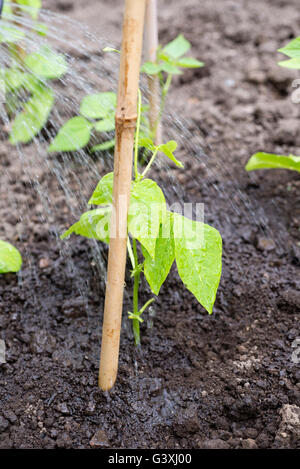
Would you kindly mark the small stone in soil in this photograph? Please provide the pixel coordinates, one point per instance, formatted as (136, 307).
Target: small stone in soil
(44, 263)
(265, 244)
(63, 408)
(99, 440)
(3, 424)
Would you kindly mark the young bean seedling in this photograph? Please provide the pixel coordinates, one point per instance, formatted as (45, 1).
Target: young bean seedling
(164, 236)
(263, 160)
(96, 113)
(28, 97)
(10, 258)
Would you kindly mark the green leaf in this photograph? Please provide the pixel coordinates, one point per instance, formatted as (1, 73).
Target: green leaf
(41, 29)
(46, 63)
(32, 119)
(292, 49)
(34, 7)
(111, 49)
(93, 224)
(10, 258)
(102, 195)
(11, 34)
(105, 125)
(146, 212)
(75, 134)
(268, 160)
(151, 68)
(99, 105)
(104, 146)
(178, 47)
(147, 142)
(168, 149)
(292, 63)
(189, 62)
(198, 253)
(170, 68)
(156, 270)
(14, 78)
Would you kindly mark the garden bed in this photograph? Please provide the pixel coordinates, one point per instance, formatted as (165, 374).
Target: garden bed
(221, 381)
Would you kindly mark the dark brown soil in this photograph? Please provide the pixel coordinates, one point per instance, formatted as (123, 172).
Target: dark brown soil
(221, 381)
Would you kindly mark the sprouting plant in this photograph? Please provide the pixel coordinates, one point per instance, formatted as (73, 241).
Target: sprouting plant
(10, 258)
(164, 236)
(170, 60)
(28, 97)
(263, 160)
(96, 113)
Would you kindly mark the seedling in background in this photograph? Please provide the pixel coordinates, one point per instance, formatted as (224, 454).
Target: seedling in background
(96, 113)
(10, 258)
(170, 60)
(28, 98)
(263, 160)
(164, 236)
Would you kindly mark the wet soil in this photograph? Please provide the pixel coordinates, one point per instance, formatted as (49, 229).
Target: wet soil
(230, 380)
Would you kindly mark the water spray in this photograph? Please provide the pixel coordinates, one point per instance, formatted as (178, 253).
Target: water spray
(151, 46)
(126, 116)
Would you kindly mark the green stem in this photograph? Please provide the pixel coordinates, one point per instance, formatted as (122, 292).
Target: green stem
(130, 252)
(149, 164)
(164, 93)
(136, 322)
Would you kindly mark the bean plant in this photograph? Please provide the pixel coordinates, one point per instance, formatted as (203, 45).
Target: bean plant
(28, 96)
(264, 160)
(96, 113)
(163, 236)
(10, 258)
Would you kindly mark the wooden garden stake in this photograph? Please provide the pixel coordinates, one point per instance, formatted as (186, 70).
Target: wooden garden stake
(153, 80)
(126, 116)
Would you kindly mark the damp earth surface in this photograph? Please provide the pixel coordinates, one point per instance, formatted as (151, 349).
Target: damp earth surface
(230, 380)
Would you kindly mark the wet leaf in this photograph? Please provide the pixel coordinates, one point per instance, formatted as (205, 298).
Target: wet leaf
(93, 224)
(292, 63)
(46, 63)
(157, 269)
(178, 47)
(102, 195)
(268, 160)
(10, 258)
(34, 116)
(146, 212)
(292, 49)
(168, 149)
(104, 146)
(198, 254)
(151, 68)
(33, 7)
(189, 62)
(75, 134)
(99, 105)
(105, 125)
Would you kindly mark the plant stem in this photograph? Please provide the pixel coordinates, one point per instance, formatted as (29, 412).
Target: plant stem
(149, 164)
(131, 256)
(164, 93)
(136, 322)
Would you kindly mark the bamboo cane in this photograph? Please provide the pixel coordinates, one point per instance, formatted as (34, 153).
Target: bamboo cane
(153, 81)
(126, 116)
